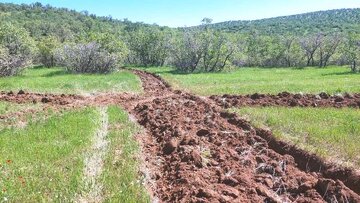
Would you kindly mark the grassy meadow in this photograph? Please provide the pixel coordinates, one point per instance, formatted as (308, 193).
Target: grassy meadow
(44, 161)
(331, 133)
(264, 80)
(57, 80)
(9, 107)
(121, 179)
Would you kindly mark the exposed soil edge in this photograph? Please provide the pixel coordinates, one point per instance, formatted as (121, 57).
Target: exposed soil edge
(305, 160)
(289, 100)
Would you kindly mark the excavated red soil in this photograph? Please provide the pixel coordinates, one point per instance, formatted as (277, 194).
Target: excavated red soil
(198, 153)
(289, 100)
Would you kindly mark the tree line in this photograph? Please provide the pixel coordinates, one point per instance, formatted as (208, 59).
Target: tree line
(81, 42)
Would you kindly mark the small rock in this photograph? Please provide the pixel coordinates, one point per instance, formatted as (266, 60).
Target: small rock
(10, 93)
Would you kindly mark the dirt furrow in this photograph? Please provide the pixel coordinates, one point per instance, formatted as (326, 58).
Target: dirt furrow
(289, 100)
(198, 153)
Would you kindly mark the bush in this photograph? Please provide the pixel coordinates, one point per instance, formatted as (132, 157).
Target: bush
(86, 58)
(10, 64)
(16, 50)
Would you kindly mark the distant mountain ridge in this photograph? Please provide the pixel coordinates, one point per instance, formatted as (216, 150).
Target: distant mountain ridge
(339, 20)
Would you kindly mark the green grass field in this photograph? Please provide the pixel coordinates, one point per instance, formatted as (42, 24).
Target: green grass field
(56, 80)
(264, 80)
(44, 161)
(122, 182)
(331, 133)
(8, 107)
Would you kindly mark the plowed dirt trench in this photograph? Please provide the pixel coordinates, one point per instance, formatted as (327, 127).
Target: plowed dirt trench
(289, 100)
(197, 152)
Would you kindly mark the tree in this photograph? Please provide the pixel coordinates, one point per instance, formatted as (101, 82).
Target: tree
(217, 50)
(186, 50)
(148, 46)
(112, 43)
(310, 45)
(352, 51)
(47, 47)
(327, 48)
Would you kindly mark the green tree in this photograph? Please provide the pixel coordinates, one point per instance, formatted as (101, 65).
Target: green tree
(17, 49)
(47, 47)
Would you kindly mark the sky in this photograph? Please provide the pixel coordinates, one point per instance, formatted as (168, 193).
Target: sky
(176, 13)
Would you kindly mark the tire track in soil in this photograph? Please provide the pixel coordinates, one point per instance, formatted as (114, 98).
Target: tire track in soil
(288, 100)
(196, 152)
(94, 163)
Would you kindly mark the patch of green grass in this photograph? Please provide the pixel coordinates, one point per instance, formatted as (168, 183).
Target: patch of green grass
(9, 107)
(329, 132)
(122, 182)
(264, 80)
(56, 80)
(44, 162)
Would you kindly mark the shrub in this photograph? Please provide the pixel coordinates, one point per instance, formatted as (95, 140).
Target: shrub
(10, 64)
(86, 58)
(16, 50)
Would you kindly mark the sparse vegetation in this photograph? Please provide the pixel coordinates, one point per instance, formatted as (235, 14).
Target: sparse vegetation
(328, 132)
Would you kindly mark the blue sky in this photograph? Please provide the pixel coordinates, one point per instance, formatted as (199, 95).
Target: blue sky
(175, 13)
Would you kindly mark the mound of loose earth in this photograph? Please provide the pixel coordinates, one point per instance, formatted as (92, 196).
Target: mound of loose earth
(288, 99)
(197, 153)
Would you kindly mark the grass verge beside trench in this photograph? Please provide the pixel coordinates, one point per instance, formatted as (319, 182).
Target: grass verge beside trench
(121, 177)
(331, 133)
(57, 80)
(264, 80)
(44, 161)
(9, 107)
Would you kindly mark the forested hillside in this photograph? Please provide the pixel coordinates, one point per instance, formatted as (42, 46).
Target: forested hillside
(81, 42)
(340, 20)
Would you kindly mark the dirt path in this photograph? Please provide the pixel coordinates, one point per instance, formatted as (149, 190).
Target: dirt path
(198, 153)
(94, 162)
(289, 100)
